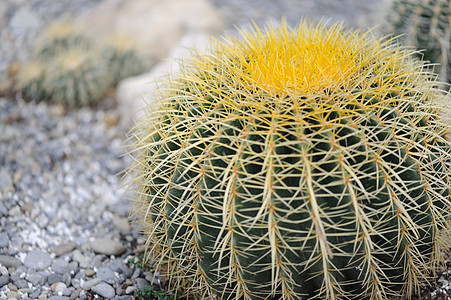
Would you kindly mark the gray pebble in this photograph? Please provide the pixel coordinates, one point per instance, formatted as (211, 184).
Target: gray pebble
(63, 248)
(38, 259)
(104, 290)
(106, 274)
(107, 246)
(13, 295)
(19, 273)
(21, 283)
(73, 266)
(25, 18)
(75, 283)
(130, 289)
(58, 298)
(35, 278)
(136, 273)
(25, 291)
(126, 297)
(118, 266)
(12, 287)
(35, 294)
(83, 261)
(6, 182)
(9, 261)
(66, 279)
(67, 292)
(4, 280)
(4, 240)
(87, 285)
(60, 266)
(53, 277)
(141, 283)
(74, 295)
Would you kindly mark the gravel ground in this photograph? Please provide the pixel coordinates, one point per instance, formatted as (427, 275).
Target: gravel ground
(64, 232)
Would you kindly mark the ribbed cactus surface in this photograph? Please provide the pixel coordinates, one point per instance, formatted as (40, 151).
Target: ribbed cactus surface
(425, 25)
(294, 164)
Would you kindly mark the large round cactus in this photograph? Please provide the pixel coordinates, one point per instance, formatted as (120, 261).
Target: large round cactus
(296, 164)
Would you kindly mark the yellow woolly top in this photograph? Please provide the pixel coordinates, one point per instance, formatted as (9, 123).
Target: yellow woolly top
(306, 59)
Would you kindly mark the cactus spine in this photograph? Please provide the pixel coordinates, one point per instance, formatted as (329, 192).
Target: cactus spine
(295, 164)
(425, 25)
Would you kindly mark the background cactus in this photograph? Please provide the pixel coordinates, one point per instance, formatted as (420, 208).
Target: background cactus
(30, 79)
(123, 58)
(296, 164)
(425, 25)
(74, 69)
(77, 77)
(59, 37)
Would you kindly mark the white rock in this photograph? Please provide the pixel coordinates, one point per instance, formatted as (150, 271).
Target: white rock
(24, 18)
(106, 246)
(135, 93)
(156, 25)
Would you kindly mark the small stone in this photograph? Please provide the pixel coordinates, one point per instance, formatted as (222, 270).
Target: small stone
(106, 274)
(110, 120)
(57, 110)
(42, 297)
(3, 270)
(13, 295)
(141, 283)
(4, 280)
(12, 287)
(74, 295)
(67, 292)
(107, 246)
(4, 240)
(60, 266)
(63, 248)
(24, 18)
(21, 283)
(35, 294)
(83, 261)
(58, 298)
(34, 278)
(90, 272)
(126, 297)
(25, 291)
(73, 266)
(87, 285)
(104, 290)
(58, 287)
(118, 266)
(151, 278)
(75, 283)
(54, 278)
(10, 261)
(66, 279)
(136, 273)
(121, 223)
(38, 259)
(130, 289)
(6, 182)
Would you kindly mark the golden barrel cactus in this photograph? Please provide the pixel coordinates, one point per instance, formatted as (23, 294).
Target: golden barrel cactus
(295, 163)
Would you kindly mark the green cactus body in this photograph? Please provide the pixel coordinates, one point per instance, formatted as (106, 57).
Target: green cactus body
(59, 37)
(76, 78)
(425, 25)
(296, 164)
(123, 58)
(30, 80)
